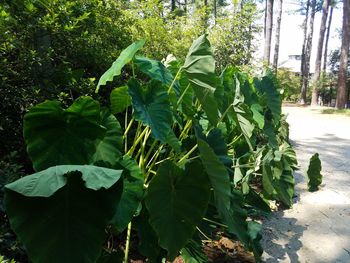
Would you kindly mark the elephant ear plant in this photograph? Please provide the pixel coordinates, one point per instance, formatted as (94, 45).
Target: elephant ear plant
(174, 157)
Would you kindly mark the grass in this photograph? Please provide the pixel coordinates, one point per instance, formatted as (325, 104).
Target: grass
(335, 111)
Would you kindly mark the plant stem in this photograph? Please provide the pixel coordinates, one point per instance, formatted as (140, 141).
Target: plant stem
(224, 114)
(188, 153)
(185, 129)
(182, 96)
(127, 244)
(150, 150)
(214, 222)
(174, 80)
(136, 142)
(125, 128)
(128, 127)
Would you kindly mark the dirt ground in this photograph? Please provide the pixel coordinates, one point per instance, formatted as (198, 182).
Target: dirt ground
(317, 228)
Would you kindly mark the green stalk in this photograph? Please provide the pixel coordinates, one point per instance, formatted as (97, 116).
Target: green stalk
(174, 80)
(128, 127)
(214, 222)
(137, 141)
(150, 150)
(125, 136)
(224, 114)
(185, 130)
(142, 156)
(182, 96)
(127, 244)
(188, 153)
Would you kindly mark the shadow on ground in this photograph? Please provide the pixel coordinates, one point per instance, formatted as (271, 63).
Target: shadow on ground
(317, 228)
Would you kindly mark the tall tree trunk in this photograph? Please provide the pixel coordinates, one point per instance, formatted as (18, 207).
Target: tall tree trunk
(173, 5)
(316, 77)
(343, 63)
(302, 66)
(325, 54)
(268, 31)
(277, 37)
(308, 47)
(214, 5)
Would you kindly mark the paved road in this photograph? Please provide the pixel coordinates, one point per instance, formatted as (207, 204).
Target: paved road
(317, 228)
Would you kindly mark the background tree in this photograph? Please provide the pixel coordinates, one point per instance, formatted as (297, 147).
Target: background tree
(277, 37)
(325, 54)
(307, 54)
(303, 58)
(344, 55)
(268, 30)
(318, 61)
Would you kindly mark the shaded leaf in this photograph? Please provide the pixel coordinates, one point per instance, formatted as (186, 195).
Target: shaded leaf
(45, 183)
(69, 226)
(132, 193)
(119, 99)
(108, 148)
(218, 175)
(57, 136)
(148, 240)
(173, 217)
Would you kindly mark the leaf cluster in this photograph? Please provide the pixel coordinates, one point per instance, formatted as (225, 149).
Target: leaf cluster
(179, 153)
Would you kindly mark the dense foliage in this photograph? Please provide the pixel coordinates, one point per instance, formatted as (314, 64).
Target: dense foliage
(178, 153)
(58, 49)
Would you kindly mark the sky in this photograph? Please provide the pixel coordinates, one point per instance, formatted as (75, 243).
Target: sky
(291, 36)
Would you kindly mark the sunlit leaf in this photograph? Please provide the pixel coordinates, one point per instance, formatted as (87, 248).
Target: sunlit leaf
(200, 69)
(124, 58)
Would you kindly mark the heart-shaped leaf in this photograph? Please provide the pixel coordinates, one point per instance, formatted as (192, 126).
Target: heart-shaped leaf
(177, 200)
(60, 214)
(152, 107)
(200, 69)
(56, 136)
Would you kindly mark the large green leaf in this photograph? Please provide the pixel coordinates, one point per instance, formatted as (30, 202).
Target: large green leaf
(267, 87)
(152, 107)
(200, 69)
(154, 69)
(45, 183)
(177, 200)
(314, 173)
(108, 148)
(277, 177)
(119, 99)
(218, 175)
(57, 136)
(132, 193)
(148, 240)
(124, 58)
(285, 187)
(69, 225)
